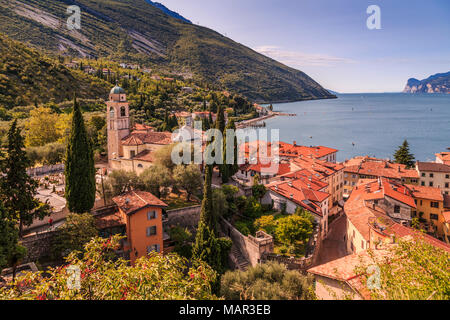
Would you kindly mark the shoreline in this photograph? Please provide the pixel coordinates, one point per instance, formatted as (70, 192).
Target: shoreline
(248, 123)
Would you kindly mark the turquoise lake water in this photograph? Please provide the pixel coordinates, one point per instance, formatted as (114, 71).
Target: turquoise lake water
(376, 123)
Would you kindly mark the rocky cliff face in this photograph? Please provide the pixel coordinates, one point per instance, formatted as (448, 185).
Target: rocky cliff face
(438, 83)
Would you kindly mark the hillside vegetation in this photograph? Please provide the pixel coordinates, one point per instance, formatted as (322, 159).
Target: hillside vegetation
(135, 31)
(27, 77)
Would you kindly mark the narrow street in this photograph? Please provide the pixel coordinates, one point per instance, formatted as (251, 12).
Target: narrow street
(333, 247)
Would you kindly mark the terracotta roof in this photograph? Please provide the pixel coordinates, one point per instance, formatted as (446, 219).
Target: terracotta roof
(137, 138)
(143, 127)
(301, 192)
(320, 167)
(446, 215)
(136, 200)
(433, 167)
(422, 192)
(110, 221)
(294, 150)
(271, 168)
(404, 232)
(146, 156)
(379, 168)
(444, 156)
(398, 192)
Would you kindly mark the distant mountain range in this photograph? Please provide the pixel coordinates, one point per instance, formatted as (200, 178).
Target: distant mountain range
(438, 83)
(147, 33)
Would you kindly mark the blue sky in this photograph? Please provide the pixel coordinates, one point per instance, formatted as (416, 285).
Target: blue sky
(329, 39)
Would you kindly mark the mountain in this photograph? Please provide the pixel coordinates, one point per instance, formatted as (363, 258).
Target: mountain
(27, 76)
(168, 11)
(438, 83)
(135, 31)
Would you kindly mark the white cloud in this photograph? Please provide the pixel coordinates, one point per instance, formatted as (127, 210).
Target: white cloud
(300, 59)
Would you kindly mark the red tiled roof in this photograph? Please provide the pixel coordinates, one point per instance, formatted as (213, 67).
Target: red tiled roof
(150, 137)
(300, 192)
(379, 168)
(136, 200)
(146, 156)
(446, 215)
(271, 168)
(402, 232)
(110, 221)
(433, 167)
(444, 156)
(398, 192)
(291, 150)
(321, 167)
(428, 193)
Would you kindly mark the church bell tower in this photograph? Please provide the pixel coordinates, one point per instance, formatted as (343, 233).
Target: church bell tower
(118, 122)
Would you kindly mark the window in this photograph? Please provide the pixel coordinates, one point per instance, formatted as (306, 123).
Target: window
(431, 183)
(123, 112)
(434, 217)
(447, 185)
(111, 112)
(140, 165)
(423, 183)
(423, 174)
(151, 231)
(435, 205)
(132, 154)
(151, 215)
(447, 176)
(431, 175)
(396, 209)
(153, 248)
(414, 214)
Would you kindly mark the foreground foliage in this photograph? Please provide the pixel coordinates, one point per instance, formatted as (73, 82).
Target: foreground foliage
(270, 281)
(155, 277)
(411, 270)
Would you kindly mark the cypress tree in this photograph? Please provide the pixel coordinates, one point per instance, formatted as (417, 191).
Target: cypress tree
(18, 188)
(404, 156)
(220, 120)
(79, 167)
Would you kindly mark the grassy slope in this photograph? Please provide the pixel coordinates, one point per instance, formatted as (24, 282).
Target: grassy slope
(106, 28)
(27, 76)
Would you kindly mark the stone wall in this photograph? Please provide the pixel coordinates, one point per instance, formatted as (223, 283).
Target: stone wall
(184, 217)
(45, 170)
(252, 248)
(39, 246)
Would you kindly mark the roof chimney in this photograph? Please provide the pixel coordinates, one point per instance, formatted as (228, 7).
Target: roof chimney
(292, 196)
(295, 143)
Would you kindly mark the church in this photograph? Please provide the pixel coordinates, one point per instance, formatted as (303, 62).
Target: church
(130, 149)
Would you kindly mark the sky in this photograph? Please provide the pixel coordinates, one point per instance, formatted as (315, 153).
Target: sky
(330, 41)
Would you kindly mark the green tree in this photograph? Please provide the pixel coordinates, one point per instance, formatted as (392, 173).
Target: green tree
(79, 166)
(220, 119)
(258, 191)
(18, 188)
(266, 223)
(189, 178)
(103, 277)
(157, 180)
(269, 281)
(10, 250)
(293, 230)
(119, 182)
(207, 246)
(404, 156)
(77, 230)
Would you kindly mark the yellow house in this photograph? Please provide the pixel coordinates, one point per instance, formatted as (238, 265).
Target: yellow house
(430, 210)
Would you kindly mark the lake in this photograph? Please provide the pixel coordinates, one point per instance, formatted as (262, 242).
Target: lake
(376, 123)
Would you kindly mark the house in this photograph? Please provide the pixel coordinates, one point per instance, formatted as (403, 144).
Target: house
(130, 150)
(300, 190)
(443, 157)
(266, 172)
(430, 210)
(373, 199)
(373, 168)
(142, 213)
(288, 151)
(434, 174)
(328, 172)
(340, 279)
